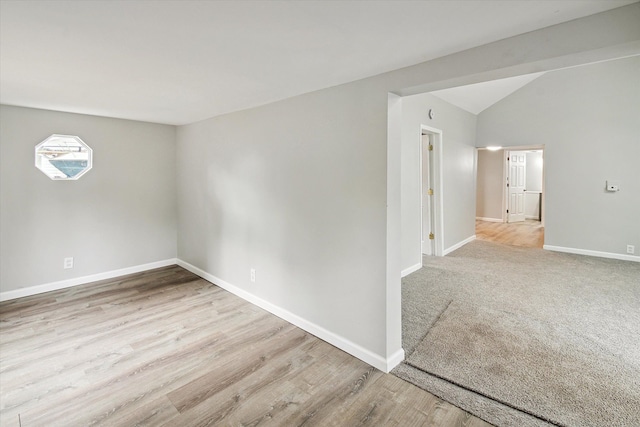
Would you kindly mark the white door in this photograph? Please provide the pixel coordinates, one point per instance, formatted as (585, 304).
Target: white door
(427, 197)
(516, 180)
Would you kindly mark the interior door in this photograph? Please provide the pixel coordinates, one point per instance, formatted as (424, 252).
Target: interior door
(427, 197)
(516, 181)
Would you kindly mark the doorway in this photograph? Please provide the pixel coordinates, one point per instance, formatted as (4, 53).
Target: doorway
(510, 195)
(524, 178)
(432, 230)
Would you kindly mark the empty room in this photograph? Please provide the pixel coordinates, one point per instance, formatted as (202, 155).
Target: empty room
(266, 212)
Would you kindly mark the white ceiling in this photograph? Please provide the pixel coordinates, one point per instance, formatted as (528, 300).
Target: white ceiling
(178, 62)
(477, 97)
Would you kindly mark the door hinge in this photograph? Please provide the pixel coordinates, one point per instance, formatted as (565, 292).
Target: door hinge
(430, 192)
(431, 236)
(507, 185)
(507, 210)
(430, 147)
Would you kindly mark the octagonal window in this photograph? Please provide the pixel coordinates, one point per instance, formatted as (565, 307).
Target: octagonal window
(63, 157)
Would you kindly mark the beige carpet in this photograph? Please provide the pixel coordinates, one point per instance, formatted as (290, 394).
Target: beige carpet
(539, 368)
(574, 310)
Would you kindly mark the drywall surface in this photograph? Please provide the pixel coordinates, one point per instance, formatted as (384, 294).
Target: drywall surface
(489, 184)
(588, 119)
(297, 191)
(122, 213)
(458, 172)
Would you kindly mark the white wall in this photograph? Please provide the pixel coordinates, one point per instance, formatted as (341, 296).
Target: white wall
(589, 120)
(458, 152)
(122, 213)
(489, 184)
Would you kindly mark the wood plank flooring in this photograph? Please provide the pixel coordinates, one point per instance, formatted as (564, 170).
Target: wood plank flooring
(528, 234)
(166, 348)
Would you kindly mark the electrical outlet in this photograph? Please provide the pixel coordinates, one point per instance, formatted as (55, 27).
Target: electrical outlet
(631, 249)
(253, 274)
(68, 262)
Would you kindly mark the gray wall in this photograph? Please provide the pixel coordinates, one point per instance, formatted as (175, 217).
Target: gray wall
(458, 174)
(295, 190)
(121, 213)
(588, 118)
(489, 184)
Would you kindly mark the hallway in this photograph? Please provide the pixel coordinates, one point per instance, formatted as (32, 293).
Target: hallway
(529, 233)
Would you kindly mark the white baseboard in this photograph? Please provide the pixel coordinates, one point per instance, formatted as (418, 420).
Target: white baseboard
(481, 218)
(409, 270)
(459, 245)
(342, 343)
(54, 286)
(623, 257)
(394, 360)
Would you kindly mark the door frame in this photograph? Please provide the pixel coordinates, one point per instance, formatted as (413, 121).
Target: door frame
(505, 173)
(435, 161)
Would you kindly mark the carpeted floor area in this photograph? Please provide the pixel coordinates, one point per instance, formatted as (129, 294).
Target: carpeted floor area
(572, 318)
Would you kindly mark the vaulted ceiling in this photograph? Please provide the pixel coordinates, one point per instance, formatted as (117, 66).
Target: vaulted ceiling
(178, 62)
(478, 97)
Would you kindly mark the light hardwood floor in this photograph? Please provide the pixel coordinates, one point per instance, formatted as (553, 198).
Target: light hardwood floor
(166, 348)
(529, 233)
